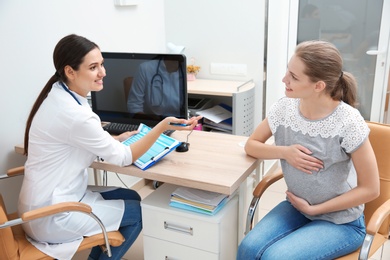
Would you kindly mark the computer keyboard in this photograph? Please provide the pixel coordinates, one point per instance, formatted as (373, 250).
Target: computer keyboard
(119, 128)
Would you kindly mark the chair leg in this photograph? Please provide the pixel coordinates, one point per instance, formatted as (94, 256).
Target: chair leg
(365, 248)
(251, 214)
(108, 247)
(382, 250)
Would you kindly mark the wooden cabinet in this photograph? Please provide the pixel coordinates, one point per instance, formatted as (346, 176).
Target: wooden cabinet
(239, 95)
(172, 233)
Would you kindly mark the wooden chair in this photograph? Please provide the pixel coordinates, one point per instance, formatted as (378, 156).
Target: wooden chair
(376, 212)
(15, 246)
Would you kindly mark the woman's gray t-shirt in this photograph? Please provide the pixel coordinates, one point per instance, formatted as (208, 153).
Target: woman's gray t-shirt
(331, 139)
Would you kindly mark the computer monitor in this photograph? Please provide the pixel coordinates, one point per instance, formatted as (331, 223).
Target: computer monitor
(142, 88)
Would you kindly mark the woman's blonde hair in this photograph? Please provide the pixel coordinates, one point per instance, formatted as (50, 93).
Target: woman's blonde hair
(323, 62)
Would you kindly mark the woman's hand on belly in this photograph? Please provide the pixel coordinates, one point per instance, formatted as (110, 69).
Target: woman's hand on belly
(300, 204)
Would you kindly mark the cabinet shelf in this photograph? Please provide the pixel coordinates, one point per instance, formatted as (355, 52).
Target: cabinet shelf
(240, 95)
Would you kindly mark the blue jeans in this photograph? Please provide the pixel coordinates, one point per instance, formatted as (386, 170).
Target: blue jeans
(130, 226)
(284, 233)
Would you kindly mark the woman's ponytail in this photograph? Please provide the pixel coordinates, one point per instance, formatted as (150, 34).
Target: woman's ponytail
(345, 89)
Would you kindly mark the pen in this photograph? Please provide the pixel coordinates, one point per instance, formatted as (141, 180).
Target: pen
(177, 124)
(157, 157)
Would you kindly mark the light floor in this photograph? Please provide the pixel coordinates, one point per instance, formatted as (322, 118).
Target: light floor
(270, 198)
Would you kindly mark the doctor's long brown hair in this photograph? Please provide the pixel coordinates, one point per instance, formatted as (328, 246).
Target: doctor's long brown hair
(71, 51)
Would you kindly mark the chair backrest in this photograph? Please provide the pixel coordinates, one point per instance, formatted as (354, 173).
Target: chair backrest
(8, 244)
(380, 141)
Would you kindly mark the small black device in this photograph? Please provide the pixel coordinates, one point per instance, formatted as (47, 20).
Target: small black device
(183, 147)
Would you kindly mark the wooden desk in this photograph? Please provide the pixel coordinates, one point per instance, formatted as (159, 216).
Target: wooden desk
(215, 162)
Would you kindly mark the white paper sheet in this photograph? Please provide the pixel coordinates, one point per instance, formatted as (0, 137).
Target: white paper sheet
(215, 114)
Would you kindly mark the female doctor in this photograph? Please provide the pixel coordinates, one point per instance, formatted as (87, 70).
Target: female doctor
(63, 137)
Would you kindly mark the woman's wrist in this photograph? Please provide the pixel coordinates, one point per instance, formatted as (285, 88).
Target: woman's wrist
(281, 152)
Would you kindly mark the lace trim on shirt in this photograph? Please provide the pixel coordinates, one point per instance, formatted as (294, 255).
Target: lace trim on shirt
(345, 122)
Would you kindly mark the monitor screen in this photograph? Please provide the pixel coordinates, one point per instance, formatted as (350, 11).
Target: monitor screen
(142, 88)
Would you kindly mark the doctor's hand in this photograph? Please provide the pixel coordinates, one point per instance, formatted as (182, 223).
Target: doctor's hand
(122, 137)
(300, 158)
(173, 123)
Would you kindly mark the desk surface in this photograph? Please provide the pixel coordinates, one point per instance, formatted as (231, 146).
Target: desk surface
(215, 162)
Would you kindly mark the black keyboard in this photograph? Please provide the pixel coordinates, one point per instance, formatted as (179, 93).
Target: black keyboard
(119, 128)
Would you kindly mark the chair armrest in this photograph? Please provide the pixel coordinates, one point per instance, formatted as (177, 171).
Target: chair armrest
(378, 217)
(372, 228)
(15, 171)
(54, 209)
(267, 181)
(47, 211)
(58, 208)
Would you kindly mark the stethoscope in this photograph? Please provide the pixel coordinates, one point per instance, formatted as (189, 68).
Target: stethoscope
(70, 93)
(157, 86)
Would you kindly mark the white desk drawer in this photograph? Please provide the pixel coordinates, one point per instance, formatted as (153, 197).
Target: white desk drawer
(208, 233)
(162, 250)
(185, 231)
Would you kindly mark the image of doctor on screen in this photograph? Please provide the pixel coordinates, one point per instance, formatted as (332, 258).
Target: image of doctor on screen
(156, 89)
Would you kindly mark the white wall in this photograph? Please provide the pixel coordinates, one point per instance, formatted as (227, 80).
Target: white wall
(29, 31)
(220, 31)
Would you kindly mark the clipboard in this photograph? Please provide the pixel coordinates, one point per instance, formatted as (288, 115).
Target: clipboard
(163, 146)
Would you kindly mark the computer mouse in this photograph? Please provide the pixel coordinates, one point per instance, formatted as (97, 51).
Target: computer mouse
(183, 147)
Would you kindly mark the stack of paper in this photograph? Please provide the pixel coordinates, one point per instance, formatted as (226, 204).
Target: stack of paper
(200, 201)
(218, 117)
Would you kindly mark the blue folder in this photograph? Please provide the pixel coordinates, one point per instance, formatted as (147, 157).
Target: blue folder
(163, 146)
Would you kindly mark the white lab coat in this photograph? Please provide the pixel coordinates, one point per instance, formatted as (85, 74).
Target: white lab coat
(65, 138)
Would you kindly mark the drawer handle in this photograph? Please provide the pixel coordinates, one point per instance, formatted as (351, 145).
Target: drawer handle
(185, 230)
